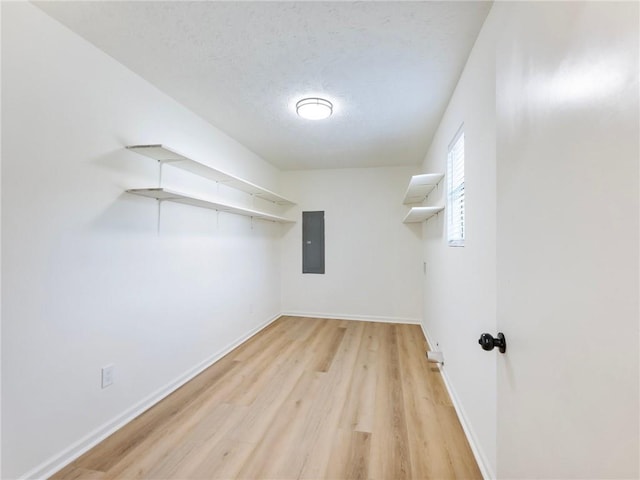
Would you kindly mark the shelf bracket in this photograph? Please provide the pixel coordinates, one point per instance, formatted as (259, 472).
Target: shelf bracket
(158, 223)
(160, 163)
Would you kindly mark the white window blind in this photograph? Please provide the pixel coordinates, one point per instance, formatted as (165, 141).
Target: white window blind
(455, 198)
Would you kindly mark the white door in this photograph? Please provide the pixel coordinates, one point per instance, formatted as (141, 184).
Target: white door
(567, 240)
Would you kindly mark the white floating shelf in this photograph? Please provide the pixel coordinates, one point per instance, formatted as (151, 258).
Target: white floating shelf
(420, 214)
(420, 186)
(164, 194)
(165, 155)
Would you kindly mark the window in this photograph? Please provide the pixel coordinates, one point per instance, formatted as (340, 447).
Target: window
(455, 184)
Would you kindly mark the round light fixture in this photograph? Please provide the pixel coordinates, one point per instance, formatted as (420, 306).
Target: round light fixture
(314, 108)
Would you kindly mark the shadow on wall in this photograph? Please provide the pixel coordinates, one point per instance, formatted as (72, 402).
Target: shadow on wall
(435, 228)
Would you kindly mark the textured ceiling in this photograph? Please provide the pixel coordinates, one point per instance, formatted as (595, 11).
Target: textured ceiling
(389, 68)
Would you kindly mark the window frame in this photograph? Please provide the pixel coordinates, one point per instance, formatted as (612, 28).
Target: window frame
(456, 222)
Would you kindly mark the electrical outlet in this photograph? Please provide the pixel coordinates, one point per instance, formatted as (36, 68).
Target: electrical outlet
(108, 373)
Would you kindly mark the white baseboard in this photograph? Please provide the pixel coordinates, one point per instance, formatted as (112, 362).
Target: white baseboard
(481, 460)
(62, 459)
(361, 318)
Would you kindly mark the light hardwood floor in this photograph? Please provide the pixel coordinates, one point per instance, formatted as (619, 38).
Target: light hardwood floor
(304, 399)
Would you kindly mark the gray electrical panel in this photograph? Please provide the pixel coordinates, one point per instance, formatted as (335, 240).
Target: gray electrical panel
(313, 242)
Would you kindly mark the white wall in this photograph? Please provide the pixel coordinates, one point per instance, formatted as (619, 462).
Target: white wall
(87, 278)
(460, 283)
(568, 155)
(0, 252)
(373, 261)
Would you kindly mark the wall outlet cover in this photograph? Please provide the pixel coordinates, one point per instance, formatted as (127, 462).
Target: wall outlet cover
(108, 375)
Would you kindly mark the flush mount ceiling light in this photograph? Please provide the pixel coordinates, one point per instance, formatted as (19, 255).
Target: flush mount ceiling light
(314, 108)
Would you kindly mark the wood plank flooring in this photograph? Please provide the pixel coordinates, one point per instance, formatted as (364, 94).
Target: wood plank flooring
(304, 399)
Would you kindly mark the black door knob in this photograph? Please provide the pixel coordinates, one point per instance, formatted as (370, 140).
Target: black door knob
(488, 343)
